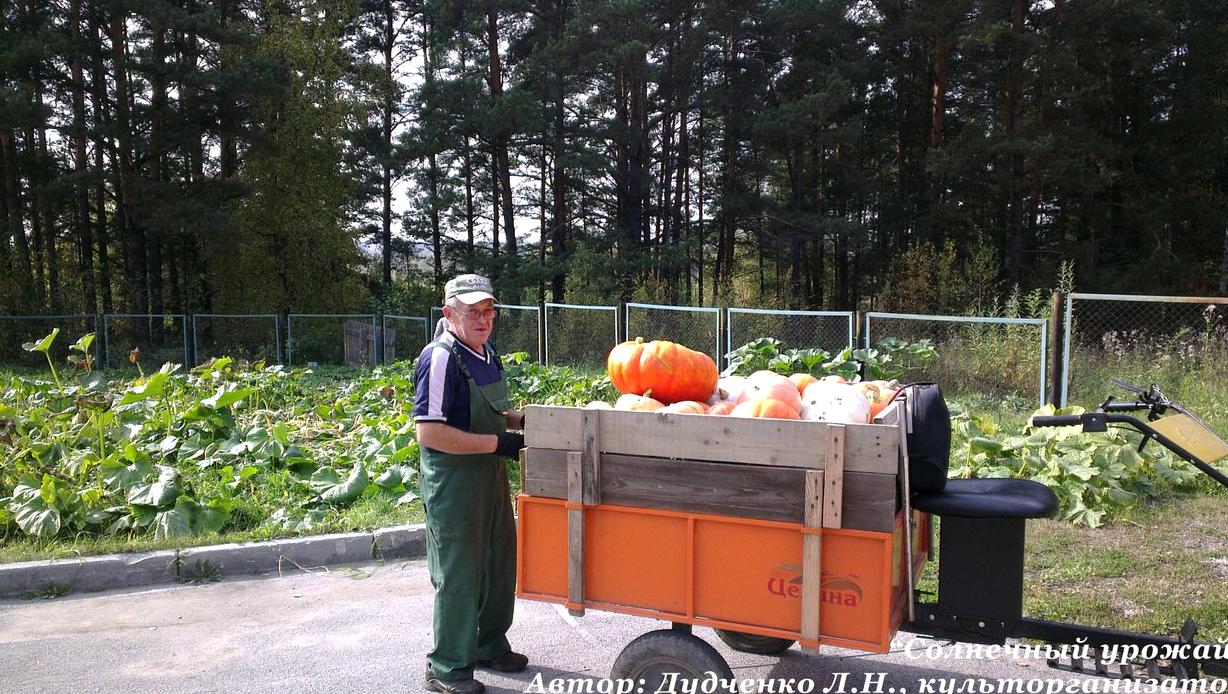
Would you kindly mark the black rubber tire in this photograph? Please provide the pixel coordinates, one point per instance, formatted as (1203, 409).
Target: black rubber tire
(754, 643)
(648, 659)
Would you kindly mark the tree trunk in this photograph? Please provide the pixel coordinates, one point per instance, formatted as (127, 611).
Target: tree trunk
(494, 81)
(98, 99)
(81, 192)
(157, 135)
(428, 74)
(228, 144)
(390, 88)
(16, 221)
(1014, 128)
(34, 184)
(134, 238)
(1223, 268)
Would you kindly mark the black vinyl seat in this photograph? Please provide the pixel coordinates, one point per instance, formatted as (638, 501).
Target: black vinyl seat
(988, 498)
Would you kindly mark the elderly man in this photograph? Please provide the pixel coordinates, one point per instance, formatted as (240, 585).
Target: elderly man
(462, 416)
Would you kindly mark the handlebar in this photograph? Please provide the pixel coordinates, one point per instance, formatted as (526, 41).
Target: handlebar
(1058, 420)
(1099, 421)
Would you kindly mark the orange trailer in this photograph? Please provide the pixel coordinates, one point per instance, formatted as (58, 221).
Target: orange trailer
(769, 531)
(774, 532)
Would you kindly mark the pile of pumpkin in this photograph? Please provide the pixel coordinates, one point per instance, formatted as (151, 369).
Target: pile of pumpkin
(662, 376)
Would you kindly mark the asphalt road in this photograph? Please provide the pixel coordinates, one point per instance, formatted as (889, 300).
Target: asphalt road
(367, 628)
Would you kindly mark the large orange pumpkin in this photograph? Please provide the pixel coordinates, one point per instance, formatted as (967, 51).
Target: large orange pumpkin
(671, 371)
(765, 407)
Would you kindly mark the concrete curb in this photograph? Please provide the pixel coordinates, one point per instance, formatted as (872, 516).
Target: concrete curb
(88, 574)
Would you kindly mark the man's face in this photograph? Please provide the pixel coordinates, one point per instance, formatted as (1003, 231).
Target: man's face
(472, 323)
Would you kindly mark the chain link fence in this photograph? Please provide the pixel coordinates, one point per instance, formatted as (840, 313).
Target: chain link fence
(160, 337)
(404, 337)
(996, 357)
(830, 331)
(18, 330)
(239, 336)
(1178, 343)
(697, 327)
(317, 338)
(580, 336)
(516, 330)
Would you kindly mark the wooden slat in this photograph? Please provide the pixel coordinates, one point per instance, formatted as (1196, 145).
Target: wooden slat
(833, 477)
(575, 535)
(591, 452)
(772, 442)
(812, 564)
(747, 491)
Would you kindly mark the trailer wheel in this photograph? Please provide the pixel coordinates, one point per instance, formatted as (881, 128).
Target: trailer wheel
(649, 659)
(754, 643)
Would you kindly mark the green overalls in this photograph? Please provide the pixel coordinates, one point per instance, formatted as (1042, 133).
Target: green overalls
(470, 540)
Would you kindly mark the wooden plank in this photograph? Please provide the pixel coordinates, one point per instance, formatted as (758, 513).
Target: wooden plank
(591, 453)
(575, 536)
(772, 442)
(746, 491)
(812, 562)
(833, 477)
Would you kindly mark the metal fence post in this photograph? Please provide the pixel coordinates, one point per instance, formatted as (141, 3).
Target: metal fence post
(1056, 348)
(542, 334)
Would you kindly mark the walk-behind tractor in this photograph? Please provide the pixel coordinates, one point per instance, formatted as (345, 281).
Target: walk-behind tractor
(775, 531)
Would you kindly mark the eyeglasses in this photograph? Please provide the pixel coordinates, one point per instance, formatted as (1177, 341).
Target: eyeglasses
(486, 314)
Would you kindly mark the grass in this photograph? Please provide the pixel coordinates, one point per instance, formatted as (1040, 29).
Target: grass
(1148, 571)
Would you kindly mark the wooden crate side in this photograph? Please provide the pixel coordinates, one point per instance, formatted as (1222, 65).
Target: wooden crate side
(746, 491)
(772, 442)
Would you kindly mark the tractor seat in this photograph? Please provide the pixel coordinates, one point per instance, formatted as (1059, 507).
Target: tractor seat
(988, 498)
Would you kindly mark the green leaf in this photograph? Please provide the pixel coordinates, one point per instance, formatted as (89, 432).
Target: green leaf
(83, 343)
(175, 522)
(153, 387)
(42, 345)
(226, 396)
(396, 476)
(332, 489)
(159, 493)
(118, 476)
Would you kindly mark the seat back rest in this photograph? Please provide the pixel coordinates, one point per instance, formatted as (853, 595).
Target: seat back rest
(929, 437)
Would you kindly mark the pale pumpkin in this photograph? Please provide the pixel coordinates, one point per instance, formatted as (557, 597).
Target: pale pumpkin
(637, 403)
(763, 385)
(722, 407)
(765, 407)
(686, 407)
(802, 380)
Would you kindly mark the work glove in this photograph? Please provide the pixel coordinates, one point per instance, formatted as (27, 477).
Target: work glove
(510, 443)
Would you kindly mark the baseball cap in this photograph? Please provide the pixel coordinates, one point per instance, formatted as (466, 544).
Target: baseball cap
(470, 289)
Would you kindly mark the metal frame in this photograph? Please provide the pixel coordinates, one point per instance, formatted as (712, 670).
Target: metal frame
(1043, 323)
(716, 356)
(290, 328)
(774, 312)
(106, 331)
(426, 330)
(1145, 298)
(98, 353)
(276, 329)
(550, 305)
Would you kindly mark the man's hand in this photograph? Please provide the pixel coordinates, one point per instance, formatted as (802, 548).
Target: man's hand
(510, 443)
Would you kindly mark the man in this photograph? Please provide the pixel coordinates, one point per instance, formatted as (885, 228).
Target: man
(462, 416)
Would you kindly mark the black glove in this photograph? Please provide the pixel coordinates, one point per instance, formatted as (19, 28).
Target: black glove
(510, 443)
